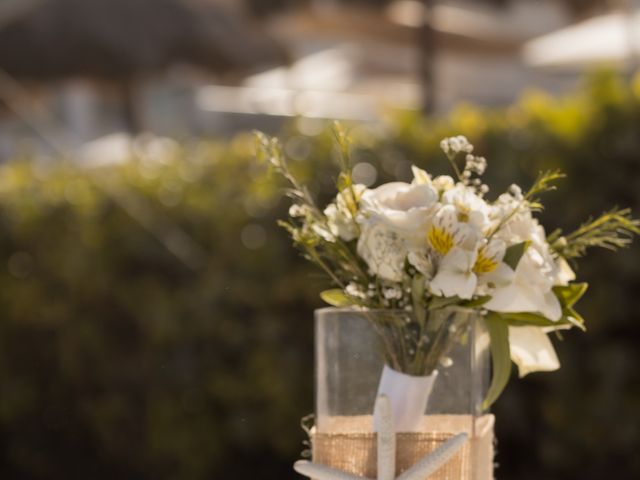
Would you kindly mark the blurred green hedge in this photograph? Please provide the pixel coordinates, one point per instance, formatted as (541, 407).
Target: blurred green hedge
(156, 324)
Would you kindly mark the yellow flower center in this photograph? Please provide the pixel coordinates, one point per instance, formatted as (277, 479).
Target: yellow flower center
(440, 239)
(484, 264)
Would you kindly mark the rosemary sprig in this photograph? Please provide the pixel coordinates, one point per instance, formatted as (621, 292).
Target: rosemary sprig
(611, 230)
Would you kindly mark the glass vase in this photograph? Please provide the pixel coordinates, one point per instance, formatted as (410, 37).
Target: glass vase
(356, 349)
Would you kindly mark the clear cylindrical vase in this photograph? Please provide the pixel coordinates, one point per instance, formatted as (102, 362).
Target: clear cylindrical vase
(436, 365)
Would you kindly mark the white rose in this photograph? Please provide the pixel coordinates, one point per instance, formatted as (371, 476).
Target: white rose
(394, 219)
(404, 208)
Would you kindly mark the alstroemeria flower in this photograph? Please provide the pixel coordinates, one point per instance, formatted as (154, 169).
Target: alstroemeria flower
(531, 350)
(455, 274)
(490, 257)
(446, 232)
(530, 290)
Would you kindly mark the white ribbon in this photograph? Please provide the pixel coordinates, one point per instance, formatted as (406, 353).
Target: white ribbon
(408, 396)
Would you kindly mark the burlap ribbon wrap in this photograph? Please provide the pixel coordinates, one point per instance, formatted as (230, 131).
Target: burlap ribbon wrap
(349, 445)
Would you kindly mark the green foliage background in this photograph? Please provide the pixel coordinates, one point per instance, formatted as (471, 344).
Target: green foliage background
(129, 352)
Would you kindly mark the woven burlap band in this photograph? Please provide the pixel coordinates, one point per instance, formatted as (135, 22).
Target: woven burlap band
(348, 444)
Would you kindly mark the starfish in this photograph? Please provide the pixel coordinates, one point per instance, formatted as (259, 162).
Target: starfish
(387, 454)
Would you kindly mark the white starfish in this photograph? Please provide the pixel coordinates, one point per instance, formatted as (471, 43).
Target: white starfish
(387, 454)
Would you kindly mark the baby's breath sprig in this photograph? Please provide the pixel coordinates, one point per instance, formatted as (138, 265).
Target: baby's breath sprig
(611, 230)
(452, 146)
(473, 165)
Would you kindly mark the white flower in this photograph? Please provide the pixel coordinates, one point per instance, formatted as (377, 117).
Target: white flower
(401, 206)
(446, 231)
(531, 350)
(530, 290)
(471, 208)
(392, 293)
(490, 256)
(355, 290)
(340, 214)
(524, 227)
(393, 218)
(323, 232)
(296, 210)
(474, 164)
(455, 275)
(456, 145)
(442, 183)
(490, 269)
(383, 250)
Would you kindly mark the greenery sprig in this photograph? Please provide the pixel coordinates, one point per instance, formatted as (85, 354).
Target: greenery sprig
(611, 230)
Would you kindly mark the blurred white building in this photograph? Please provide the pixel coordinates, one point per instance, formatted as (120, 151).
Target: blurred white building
(346, 63)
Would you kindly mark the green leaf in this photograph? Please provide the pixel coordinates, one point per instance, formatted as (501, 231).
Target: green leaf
(524, 319)
(514, 253)
(574, 318)
(500, 356)
(571, 293)
(476, 302)
(520, 319)
(336, 297)
(441, 302)
(417, 297)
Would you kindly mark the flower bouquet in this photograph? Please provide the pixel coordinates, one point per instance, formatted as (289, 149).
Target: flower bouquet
(437, 255)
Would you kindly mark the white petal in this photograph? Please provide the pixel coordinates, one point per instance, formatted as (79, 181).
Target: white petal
(500, 277)
(531, 350)
(449, 283)
(515, 298)
(459, 259)
(564, 273)
(420, 177)
(552, 309)
(383, 250)
(510, 298)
